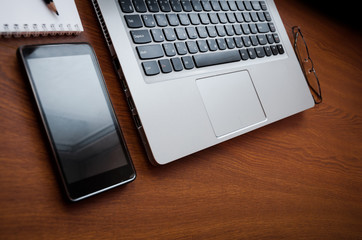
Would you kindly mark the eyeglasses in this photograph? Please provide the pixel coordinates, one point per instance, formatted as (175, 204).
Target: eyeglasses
(306, 63)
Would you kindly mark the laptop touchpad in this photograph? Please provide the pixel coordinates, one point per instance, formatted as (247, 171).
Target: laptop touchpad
(231, 102)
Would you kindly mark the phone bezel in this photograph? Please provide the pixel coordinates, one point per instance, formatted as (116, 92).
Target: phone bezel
(98, 183)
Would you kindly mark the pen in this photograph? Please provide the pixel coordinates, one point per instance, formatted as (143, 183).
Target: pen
(51, 6)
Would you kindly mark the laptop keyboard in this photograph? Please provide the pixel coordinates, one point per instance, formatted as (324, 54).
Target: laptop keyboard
(178, 35)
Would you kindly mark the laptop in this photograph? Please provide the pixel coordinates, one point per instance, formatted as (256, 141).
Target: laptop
(199, 72)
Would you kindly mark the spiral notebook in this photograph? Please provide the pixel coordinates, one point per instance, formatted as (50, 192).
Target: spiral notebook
(33, 18)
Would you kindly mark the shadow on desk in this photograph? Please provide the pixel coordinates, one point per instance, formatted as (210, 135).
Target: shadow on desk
(348, 15)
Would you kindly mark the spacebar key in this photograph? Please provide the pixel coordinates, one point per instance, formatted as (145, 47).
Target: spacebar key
(209, 59)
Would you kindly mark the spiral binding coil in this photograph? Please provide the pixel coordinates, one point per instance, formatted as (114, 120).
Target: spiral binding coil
(34, 30)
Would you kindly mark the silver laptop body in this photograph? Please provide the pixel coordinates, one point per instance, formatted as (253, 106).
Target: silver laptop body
(183, 103)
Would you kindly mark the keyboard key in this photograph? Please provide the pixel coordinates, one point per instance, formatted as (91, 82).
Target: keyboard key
(268, 51)
(181, 33)
(270, 38)
(263, 5)
(173, 20)
(150, 68)
(157, 35)
(187, 62)
(229, 30)
(261, 16)
(152, 5)
(254, 40)
(238, 42)
(191, 32)
(246, 17)
(196, 5)
(213, 18)
(280, 48)
(212, 44)
(232, 5)
(276, 38)
(244, 54)
(140, 6)
(224, 5)
(245, 28)
(262, 39)
(209, 59)
(175, 5)
(246, 41)
(181, 48)
(252, 53)
(255, 5)
(206, 5)
(215, 5)
(222, 17)
(149, 51)
(231, 17)
(165, 65)
(237, 29)
(239, 17)
(253, 28)
(186, 5)
(272, 27)
(230, 43)
(211, 30)
(254, 16)
(274, 50)
(267, 16)
(202, 45)
(204, 18)
(192, 47)
(247, 5)
(262, 27)
(133, 21)
(140, 36)
(240, 5)
(164, 5)
(169, 34)
(221, 43)
(126, 6)
(177, 64)
(148, 20)
(194, 18)
(169, 49)
(260, 52)
(220, 30)
(201, 30)
(184, 19)
(161, 20)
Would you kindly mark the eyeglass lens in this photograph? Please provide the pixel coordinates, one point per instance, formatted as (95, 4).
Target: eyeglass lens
(301, 49)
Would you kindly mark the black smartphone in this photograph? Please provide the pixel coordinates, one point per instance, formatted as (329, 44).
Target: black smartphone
(78, 116)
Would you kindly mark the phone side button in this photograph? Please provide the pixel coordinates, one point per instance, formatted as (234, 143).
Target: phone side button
(137, 121)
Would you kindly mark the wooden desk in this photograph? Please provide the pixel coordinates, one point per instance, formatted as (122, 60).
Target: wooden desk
(299, 178)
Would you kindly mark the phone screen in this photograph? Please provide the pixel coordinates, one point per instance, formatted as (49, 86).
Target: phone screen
(80, 121)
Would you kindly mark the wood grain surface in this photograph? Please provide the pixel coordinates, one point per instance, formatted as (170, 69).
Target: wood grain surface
(299, 178)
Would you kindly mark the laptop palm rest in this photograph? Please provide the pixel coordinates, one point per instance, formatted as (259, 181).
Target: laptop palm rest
(231, 102)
